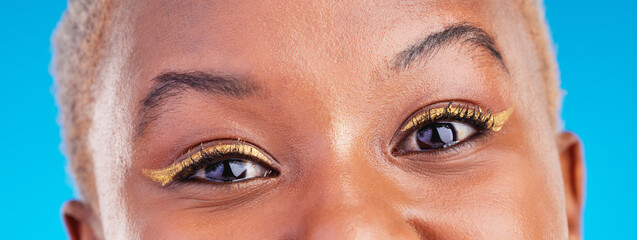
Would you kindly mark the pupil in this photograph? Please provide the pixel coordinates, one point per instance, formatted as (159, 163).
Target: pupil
(226, 170)
(435, 136)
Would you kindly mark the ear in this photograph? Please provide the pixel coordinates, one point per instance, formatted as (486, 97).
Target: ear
(80, 221)
(573, 172)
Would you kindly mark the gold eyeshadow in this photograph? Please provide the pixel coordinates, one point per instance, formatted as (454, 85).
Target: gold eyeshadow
(459, 111)
(470, 113)
(187, 166)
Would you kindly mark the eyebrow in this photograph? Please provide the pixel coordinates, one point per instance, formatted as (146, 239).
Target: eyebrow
(170, 85)
(465, 33)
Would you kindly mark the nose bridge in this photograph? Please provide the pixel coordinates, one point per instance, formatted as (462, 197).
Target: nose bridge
(352, 200)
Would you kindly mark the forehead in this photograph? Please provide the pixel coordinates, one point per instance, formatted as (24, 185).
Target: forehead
(280, 37)
(320, 49)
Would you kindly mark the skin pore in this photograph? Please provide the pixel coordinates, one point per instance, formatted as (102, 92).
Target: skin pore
(323, 94)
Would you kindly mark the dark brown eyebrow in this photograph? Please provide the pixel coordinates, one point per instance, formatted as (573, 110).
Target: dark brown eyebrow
(170, 85)
(465, 33)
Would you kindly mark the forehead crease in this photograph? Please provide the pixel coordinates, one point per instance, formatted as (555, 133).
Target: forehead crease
(320, 24)
(183, 23)
(319, 36)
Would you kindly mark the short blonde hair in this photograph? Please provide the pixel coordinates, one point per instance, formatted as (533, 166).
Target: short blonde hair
(79, 41)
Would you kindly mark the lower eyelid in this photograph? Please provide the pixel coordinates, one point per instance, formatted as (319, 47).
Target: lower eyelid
(465, 132)
(450, 153)
(226, 196)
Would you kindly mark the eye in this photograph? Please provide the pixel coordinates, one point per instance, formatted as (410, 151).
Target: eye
(444, 125)
(437, 135)
(231, 170)
(218, 161)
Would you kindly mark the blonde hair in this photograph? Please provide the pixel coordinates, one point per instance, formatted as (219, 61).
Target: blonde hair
(78, 42)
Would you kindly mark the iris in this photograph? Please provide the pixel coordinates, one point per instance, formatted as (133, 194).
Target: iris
(227, 170)
(437, 135)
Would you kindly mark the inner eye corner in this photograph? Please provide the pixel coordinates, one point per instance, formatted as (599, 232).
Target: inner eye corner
(273, 173)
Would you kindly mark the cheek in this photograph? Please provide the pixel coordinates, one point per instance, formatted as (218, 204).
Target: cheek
(485, 201)
(513, 192)
(517, 199)
(544, 192)
(271, 218)
(203, 211)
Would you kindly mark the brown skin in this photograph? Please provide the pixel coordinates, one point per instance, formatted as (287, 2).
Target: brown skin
(327, 109)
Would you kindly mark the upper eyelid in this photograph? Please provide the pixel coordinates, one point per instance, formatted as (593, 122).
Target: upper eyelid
(494, 122)
(469, 113)
(169, 174)
(458, 110)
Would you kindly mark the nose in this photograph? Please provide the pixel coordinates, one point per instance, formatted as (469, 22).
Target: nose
(353, 200)
(362, 221)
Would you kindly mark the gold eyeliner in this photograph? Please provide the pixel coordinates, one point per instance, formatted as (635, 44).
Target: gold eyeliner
(493, 122)
(168, 174)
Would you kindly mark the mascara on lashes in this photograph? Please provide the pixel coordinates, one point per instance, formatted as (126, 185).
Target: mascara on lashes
(169, 174)
(492, 122)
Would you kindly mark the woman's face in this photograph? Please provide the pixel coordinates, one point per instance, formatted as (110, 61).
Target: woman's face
(332, 120)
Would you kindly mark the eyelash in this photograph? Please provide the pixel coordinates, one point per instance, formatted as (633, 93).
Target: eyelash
(483, 121)
(221, 150)
(211, 159)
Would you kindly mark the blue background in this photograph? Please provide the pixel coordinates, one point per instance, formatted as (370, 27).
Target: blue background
(596, 52)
